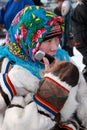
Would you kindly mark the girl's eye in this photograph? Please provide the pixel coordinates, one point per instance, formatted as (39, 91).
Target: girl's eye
(49, 40)
(57, 38)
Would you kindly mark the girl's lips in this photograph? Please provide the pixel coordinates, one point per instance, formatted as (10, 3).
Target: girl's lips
(52, 54)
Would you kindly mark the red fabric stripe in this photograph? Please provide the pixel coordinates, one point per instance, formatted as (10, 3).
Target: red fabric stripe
(65, 126)
(47, 104)
(11, 85)
(59, 85)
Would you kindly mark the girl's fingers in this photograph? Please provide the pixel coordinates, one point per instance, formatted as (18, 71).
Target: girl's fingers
(47, 65)
(50, 67)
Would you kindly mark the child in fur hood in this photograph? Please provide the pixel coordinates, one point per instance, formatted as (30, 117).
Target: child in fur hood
(23, 40)
(34, 28)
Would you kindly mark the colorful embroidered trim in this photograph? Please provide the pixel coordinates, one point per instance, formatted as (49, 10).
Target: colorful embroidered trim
(9, 85)
(7, 67)
(47, 106)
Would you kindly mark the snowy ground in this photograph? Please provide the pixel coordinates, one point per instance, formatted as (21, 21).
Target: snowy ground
(77, 58)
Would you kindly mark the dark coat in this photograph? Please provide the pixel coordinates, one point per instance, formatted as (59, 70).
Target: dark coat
(79, 19)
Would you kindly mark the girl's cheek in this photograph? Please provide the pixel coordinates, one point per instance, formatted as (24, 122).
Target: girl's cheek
(45, 48)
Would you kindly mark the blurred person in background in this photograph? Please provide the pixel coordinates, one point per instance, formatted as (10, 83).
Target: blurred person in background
(9, 11)
(79, 20)
(57, 10)
(64, 8)
(38, 2)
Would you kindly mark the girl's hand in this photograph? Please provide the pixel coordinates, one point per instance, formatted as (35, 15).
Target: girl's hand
(50, 67)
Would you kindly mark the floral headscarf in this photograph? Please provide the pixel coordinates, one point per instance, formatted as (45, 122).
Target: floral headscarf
(30, 28)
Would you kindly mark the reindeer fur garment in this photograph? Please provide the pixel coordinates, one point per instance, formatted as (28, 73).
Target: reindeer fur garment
(14, 82)
(26, 113)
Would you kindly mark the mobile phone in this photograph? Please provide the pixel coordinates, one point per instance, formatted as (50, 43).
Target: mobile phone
(40, 54)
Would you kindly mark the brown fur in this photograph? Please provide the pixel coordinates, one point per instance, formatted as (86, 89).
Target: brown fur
(50, 91)
(67, 72)
(53, 94)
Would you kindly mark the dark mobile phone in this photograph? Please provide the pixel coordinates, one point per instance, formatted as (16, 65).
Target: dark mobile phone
(40, 54)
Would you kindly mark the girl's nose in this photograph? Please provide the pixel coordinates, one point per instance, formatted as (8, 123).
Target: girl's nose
(54, 48)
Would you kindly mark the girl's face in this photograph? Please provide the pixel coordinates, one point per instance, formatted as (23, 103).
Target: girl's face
(50, 46)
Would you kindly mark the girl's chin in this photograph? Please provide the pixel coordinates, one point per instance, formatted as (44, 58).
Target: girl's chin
(52, 54)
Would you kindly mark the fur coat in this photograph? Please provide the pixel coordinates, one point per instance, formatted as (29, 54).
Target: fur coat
(25, 113)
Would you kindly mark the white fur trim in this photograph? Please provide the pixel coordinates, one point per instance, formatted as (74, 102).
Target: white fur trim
(56, 79)
(18, 100)
(82, 100)
(45, 111)
(26, 119)
(70, 105)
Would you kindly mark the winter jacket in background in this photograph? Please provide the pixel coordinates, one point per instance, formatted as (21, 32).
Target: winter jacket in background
(79, 19)
(9, 11)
